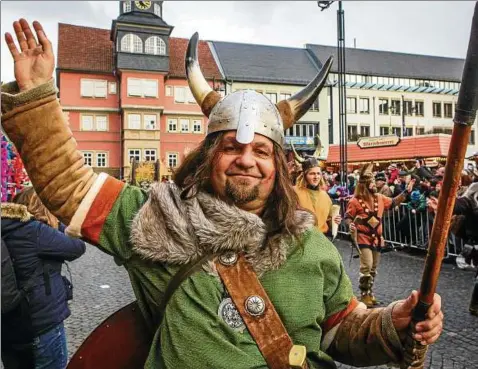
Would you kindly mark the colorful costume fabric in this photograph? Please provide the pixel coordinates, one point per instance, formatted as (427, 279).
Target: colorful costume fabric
(318, 202)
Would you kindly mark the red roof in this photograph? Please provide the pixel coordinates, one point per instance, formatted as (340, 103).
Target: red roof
(90, 49)
(84, 48)
(177, 53)
(426, 146)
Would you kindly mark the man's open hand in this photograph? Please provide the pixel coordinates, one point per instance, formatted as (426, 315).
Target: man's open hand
(35, 63)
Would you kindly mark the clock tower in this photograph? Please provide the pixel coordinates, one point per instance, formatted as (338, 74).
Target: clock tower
(141, 37)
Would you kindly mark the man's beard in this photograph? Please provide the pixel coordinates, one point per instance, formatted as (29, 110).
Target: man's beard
(241, 193)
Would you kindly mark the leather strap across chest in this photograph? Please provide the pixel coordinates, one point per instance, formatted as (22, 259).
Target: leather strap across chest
(259, 314)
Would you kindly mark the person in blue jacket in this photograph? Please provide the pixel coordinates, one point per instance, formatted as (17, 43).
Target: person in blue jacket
(38, 246)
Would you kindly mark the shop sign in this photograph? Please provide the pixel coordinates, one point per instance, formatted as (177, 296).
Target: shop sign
(381, 141)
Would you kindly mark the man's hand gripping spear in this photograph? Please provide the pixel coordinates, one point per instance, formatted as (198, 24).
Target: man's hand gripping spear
(464, 118)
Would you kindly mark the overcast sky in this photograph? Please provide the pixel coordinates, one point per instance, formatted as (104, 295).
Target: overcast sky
(434, 27)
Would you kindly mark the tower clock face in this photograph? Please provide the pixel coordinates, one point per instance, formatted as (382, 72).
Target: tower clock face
(143, 5)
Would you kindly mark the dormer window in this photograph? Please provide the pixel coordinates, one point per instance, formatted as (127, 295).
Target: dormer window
(157, 10)
(155, 45)
(126, 6)
(131, 43)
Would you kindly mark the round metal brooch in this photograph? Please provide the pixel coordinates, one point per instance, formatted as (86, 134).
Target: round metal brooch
(229, 314)
(255, 305)
(228, 258)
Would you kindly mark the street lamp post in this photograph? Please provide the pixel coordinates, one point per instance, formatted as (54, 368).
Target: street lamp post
(341, 83)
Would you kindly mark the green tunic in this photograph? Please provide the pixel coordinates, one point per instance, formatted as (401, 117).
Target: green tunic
(306, 290)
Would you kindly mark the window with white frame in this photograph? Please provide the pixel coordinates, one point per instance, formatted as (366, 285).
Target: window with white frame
(112, 88)
(189, 95)
(384, 131)
(149, 121)
(134, 154)
(149, 154)
(131, 43)
(155, 45)
(157, 9)
(395, 107)
(179, 94)
(285, 96)
(101, 122)
(437, 109)
(315, 105)
(134, 121)
(172, 125)
(172, 159)
(364, 131)
(407, 107)
(184, 125)
(197, 126)
(169, 91)
(93, 87)
(101, 161)
(87, 122)
(383, 106)
(351, 105)
(448, 110)
(364, 105)
(420, 131)
(88, 156)
(142, 87)
(272, 96)
(352, 133)
(126, 6)
(397, 131)
(419, 108)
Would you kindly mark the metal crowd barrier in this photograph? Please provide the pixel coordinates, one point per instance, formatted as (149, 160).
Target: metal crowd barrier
(402, 229)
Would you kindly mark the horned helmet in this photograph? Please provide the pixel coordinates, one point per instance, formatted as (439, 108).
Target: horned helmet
(247, 111)
(366, 174)
(311, 161)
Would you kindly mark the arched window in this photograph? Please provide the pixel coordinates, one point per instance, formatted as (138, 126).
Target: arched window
(131, 43)
(126, 6)
(155, 45)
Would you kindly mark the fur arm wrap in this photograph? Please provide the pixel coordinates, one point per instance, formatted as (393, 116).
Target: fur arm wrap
(367, 337)
(34, 121)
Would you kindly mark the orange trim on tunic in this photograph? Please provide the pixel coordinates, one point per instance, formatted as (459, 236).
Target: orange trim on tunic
(100, 209)
(336, 318)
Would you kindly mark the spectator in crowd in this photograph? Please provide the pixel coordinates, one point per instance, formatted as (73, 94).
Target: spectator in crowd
(464, 225)
(312, 197)
(382, 187)
(421, 170)
(38, 247)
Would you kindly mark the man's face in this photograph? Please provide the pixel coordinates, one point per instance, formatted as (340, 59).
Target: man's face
(372, 187)
(244, 174)
(313, 177)
(440, 172)
(379, 183)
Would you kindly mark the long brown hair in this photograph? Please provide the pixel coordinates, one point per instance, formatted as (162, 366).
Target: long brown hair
(362, 191)
(195, 172)
(30, 199)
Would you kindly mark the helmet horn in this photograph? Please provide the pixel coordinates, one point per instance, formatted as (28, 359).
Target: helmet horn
(204, 95)
(298, 158)
(292, 109)
(318, 149)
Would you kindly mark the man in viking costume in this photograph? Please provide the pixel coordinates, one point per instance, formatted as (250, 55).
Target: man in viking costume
(364, 217)
(309, 188)
(272, 290)
(312, 197)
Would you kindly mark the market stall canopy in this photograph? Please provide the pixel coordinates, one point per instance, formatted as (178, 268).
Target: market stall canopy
(408, 148)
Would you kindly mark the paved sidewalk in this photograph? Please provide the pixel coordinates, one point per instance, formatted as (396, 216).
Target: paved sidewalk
(101, 288)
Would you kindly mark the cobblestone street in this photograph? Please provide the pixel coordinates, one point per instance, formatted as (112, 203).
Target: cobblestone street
(101, 288)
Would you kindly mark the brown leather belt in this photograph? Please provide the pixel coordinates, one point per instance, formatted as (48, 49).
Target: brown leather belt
(259, 314)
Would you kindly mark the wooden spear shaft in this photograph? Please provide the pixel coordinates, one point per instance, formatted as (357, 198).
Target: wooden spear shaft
(465, 114)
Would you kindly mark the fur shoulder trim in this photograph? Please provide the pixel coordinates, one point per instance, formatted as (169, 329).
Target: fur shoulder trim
(15, 211)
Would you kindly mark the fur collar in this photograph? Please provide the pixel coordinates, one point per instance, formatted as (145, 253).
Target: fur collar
(175, 231)
(15, 211)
